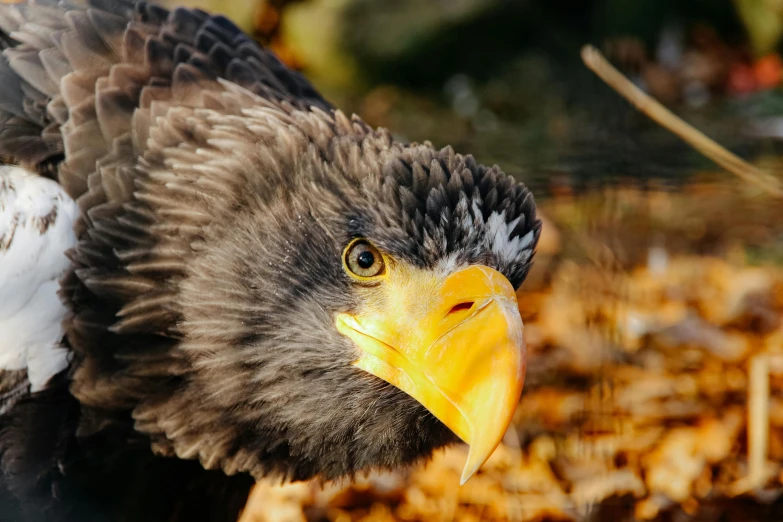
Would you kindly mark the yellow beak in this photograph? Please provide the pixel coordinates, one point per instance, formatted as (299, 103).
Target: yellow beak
(456, 347)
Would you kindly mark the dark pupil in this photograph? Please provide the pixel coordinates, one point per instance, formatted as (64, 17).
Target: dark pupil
(365, 260)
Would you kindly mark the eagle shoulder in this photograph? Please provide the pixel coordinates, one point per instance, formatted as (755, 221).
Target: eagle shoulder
(36, 230)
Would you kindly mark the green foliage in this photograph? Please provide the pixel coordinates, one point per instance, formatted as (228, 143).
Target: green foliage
(763, 20)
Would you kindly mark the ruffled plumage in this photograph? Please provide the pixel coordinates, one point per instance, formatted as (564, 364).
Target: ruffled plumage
(201, 167)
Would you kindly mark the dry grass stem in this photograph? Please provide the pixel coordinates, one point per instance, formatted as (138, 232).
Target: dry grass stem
(758, 418)
(597, 63)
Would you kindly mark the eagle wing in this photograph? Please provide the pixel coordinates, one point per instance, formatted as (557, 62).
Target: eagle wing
(86, 86)
(36, 229)
(82, 85)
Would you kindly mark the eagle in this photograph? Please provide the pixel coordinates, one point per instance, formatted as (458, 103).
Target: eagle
(210, 275)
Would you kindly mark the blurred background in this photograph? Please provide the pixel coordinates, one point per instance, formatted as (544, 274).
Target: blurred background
(654, 313)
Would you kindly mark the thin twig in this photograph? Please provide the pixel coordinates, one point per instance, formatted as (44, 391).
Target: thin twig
(596, 62)
(758, 418)
(760, 470)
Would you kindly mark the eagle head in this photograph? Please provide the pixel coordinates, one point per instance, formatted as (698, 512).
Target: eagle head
(350, 299)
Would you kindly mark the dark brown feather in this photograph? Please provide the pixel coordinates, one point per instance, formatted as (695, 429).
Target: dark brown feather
(102, 63)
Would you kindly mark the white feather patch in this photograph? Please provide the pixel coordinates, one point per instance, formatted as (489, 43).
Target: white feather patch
(36, 229)
(499, 234)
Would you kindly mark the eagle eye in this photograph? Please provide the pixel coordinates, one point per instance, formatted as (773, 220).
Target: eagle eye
(362, 260)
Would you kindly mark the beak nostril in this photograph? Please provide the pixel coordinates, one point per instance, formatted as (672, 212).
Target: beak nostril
(460, 307)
